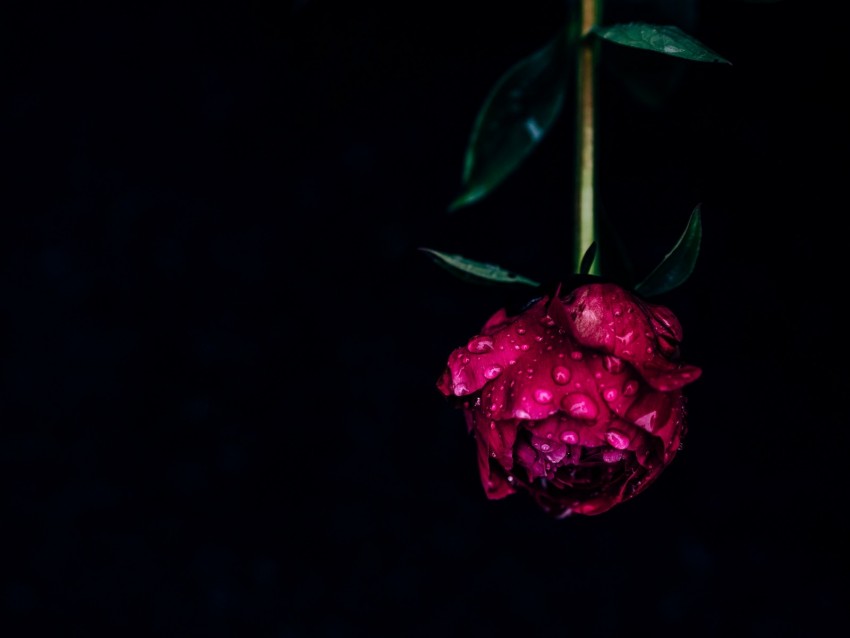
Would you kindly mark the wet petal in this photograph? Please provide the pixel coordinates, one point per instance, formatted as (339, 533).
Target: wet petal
(498, 436)
(609, 318)
(493, 480)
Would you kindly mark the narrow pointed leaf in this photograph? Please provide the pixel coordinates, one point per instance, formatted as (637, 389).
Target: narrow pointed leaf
(516, 115)
(678, 264)
(587, 259)
(665, 39)
(477, 271)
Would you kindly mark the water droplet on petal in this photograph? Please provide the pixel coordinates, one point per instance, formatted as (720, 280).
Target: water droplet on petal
(569, 437)
(512, 362)
(492, 425)
(521, 331)
(524, 347)
(542, 396)
(460, 389)
(630, 388)
(576, 355)
(580, 406)
(611, 394)
(480, 344)
(612, 456)
(647, 421)
(627, 338)
(522, 414)
(613, 364)
(617, 439)
(492, 372)
(561, 375)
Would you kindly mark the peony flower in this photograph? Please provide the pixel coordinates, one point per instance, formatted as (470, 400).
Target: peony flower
(576, 400)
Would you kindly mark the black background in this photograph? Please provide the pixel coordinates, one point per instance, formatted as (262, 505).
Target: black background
(220, 342)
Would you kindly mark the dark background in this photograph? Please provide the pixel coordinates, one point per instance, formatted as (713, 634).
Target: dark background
(220, 342)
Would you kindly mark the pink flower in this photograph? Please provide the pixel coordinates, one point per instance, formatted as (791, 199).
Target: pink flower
(577, 400)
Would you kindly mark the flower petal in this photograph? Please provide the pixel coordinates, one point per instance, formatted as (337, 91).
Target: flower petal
(608, 318)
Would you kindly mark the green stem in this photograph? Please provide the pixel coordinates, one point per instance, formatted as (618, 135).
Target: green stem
(585, 221)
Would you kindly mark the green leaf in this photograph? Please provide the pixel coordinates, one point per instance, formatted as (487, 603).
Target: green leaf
(678, 264)
(587, 259)
(518, 112)
(665, 39)
(477, 271)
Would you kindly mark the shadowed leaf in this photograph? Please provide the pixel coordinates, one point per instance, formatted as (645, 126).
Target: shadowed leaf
(678, 264)
(477, 271)
(587, 259)
(516, 115)
(666, 39)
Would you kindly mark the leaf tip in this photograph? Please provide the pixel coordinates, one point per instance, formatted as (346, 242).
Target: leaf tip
(465, 199)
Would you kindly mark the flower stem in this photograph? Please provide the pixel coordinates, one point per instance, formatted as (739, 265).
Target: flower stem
(585, 221)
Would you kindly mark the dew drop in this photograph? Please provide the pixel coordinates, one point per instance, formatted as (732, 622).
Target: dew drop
(627, 338)
(542, 395)
(460, 389)
(492, 372)
(611, 394)
(580, 406)
(617, 439)
(521, 331)
(512, 362)
(630, 388)
(576, 355)
(613, 364)
(522, 414)
(561, 375)
(480, 344)
(569, 437)
(524, 347)
(647, 421)
(612, 456)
